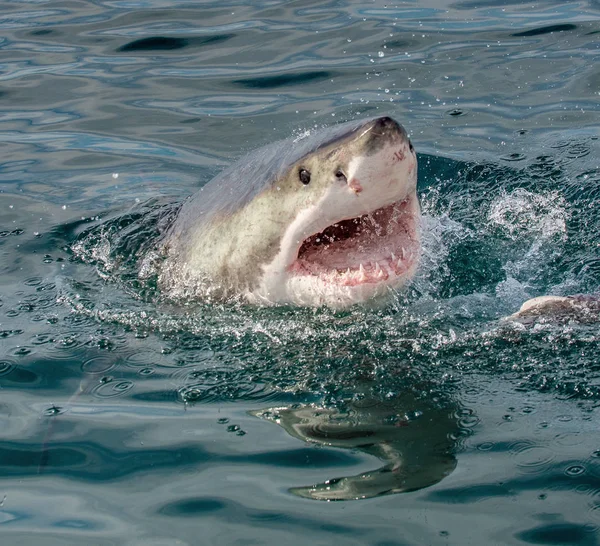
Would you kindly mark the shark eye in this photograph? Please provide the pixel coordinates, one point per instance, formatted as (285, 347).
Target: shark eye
(410, 146)
(304, 176)
(339, 174)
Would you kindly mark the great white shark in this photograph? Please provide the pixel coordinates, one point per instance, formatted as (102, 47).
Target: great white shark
(329, 218)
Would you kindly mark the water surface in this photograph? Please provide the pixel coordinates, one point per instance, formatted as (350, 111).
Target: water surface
(127, 419)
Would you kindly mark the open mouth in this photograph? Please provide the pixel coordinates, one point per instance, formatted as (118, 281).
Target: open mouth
(379, 247)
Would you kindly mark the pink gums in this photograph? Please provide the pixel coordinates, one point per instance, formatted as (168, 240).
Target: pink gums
(374, 248)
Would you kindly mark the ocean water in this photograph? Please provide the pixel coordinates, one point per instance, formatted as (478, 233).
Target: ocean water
(128, 420)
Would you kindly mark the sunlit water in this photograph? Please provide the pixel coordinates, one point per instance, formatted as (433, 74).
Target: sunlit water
(131, 419)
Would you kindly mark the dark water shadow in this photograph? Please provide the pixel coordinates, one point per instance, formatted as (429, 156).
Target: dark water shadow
(545, 30)
(167, 43)
(284, 80)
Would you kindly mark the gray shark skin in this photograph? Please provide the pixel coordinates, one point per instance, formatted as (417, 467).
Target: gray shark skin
(330, 218)
(414, 440)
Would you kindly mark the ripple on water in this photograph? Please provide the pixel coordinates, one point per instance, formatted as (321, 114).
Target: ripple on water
(110, 388)
(531, 458)
(22, 350)
(6, 366)
(65, 343)
(33, 281)
(535, 459)
(212, 385)
(38, 301)
(594, 509)
(145, 358)
(10, 333)
(43, 339)
(575, 470)
(98, 365)
(513, 157)
(569, 439)
(467, 419)
(53, 411)
(456, 112)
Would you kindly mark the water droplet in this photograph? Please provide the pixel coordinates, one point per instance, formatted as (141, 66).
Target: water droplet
(191, 395)
(575, 470)
(514, 157)
(53, 410)
(109, 389)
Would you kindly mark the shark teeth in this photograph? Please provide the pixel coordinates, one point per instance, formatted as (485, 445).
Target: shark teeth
(362, 275)
(377, 270)
(381, 273)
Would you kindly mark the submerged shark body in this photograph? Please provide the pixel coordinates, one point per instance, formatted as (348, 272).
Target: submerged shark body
(327, 219)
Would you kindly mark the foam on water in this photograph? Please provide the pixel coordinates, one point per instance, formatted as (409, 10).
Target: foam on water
(488, 244)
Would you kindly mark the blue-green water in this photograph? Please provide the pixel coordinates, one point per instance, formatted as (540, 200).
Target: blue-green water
(128, 420)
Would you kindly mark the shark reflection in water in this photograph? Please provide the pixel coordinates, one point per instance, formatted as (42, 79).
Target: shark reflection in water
(414, 438)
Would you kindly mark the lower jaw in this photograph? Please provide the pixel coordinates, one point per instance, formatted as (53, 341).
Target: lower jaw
(387, 272)
(313, 291)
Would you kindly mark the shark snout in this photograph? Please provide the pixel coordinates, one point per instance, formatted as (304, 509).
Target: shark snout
(386, 123)
(385, 129)
(386, 133)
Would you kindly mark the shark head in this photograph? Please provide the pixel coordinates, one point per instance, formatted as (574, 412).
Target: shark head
(326, 219)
